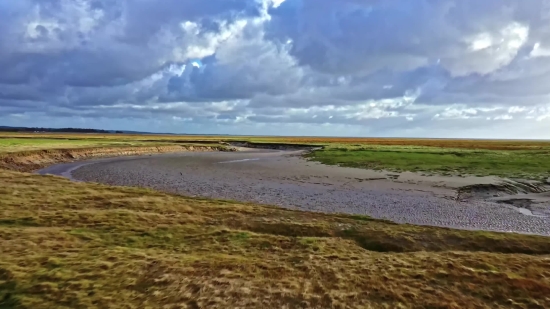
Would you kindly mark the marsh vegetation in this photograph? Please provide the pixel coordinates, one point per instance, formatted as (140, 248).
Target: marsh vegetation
(82, 245)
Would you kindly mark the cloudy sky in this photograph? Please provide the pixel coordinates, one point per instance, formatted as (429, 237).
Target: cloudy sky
(430, 68)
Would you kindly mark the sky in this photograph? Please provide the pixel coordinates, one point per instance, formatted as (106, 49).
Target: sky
(381, 68)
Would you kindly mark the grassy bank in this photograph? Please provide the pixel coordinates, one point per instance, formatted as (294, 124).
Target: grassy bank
(26, 154)
(74, 245)
(531, 164)
(23, 144)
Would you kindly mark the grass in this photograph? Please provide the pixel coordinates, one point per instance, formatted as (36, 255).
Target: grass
(533, 164)
(81, 245)
(9, 145)
(332, 141)
(76, 245)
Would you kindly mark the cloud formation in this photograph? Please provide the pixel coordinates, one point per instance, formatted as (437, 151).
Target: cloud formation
(436, 68)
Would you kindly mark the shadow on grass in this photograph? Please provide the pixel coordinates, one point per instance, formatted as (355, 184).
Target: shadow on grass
(22, 222)
(7, 290)
(370, 243)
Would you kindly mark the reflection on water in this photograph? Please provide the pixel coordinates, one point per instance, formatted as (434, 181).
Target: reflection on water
(243, 160)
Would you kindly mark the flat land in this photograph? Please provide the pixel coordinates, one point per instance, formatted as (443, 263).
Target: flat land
(519, 162)
(82, 245)
(506, 158)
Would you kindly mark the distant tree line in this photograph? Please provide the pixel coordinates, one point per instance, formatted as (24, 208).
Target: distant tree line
(60, 130)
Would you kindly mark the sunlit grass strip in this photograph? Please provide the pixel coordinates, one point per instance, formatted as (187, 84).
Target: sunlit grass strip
(532, 164)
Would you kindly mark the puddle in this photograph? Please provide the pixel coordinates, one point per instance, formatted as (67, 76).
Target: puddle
(526, 211)
(523, 206)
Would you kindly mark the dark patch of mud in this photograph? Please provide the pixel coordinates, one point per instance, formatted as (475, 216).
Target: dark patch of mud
(509, 187)
(527, 206)
(519, 203)
(525, 196)
(275, 146)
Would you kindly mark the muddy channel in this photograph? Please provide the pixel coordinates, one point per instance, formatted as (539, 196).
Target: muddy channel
(285, 179)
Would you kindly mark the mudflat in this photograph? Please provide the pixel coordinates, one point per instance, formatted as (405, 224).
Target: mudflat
(285, 179)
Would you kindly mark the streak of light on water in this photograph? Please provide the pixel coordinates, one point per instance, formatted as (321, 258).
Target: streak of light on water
(237, 161)
(528, 212)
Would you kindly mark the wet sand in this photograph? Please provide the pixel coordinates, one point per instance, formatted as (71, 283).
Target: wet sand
(284, 179)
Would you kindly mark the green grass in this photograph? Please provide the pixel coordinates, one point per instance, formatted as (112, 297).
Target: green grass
(533, 164)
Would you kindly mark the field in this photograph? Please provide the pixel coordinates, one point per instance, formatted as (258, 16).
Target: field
(351, 141)
(80, 245)
(528, 164)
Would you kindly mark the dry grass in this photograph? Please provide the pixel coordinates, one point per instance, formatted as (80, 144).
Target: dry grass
(12, 145)
(18, 145)
(441, 143)
(75, 245)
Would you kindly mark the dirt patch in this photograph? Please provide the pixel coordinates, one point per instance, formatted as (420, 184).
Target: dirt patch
(34, 160)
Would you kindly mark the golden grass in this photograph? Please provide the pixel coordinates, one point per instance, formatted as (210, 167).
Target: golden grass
(76, 245)
(442, 143)
(12, 145)
(17, 145)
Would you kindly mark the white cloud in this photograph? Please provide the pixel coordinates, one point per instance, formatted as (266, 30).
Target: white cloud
(540, 51)
(489, 51)
(516, 109)
(503, 117)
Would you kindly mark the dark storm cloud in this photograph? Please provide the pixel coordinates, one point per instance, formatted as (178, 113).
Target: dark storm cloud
(96, 43)
(372, 66)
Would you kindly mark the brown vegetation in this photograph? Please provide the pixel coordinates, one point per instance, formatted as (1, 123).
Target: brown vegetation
(75, 245)
(443, 143)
